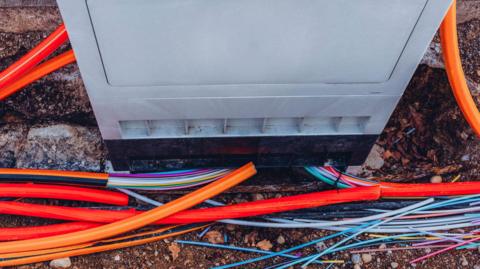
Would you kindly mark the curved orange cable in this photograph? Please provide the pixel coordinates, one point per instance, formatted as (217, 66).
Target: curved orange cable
(34, 56)
(453, 66)
(115, 239)
(134, 222)
(38, 72)
(90, 250)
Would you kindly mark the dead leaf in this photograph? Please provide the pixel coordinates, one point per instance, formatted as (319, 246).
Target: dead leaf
(250, 238)
(387, 154)
(446, 169)
(174, 250)
(264, 245)
(214, 237)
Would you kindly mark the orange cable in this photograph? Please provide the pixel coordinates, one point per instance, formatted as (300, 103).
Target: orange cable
(38, 72)
(90, 250)
(133, 222)
(453, 67)
(54, 250)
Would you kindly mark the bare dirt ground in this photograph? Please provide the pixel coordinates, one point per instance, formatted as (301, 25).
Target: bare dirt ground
(50, 124)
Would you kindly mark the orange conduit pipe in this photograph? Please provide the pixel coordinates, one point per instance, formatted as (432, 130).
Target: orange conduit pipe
(37, 73)
(28, 190)
(133, 222)
(34, 56)
(93, 249)
(54, 250)
(241, 210)
(20, 233)
(453, 67)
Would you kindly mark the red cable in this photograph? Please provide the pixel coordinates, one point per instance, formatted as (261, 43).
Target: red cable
(242, 210)
(429, 189)
(63, 193)
(249, 209)
(21, 233)
(33, 57)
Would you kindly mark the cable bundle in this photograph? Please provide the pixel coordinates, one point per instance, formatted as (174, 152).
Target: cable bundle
(27, 69)
(166, 180)
(162, 181)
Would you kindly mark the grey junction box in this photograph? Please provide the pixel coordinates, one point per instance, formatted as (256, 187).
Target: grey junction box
(285, 82)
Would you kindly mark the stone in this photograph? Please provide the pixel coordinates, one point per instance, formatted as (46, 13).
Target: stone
(375, 158)
(61, 263)
(281, 240)
(366, 258)
(436, 179)
(356, 259)
(63, 147)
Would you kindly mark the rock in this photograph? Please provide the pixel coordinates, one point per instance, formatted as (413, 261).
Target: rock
(62, 146)
(382, 246)
(357, 266)
(476, 267)
(320, 246)
(436, 179)
(366, 258)
(11, 138)
(433, 56)
(281, 240)
(61, 263)
(264, 245)
(116, 258)
(24, 20)
(375, 158)
(464, 261)
(356, 259)
(394, 265)
(258, 196)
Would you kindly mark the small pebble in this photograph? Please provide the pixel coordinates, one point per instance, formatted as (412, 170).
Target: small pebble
(281, 240)
(394, 265)
(116, 258)
(258, 197)
(61, 263)
(357, 266)
(464, 261)
(356, 259)
(436, 179)
(320, 246)
(382, 246)
(366, 258)
(476, 267)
